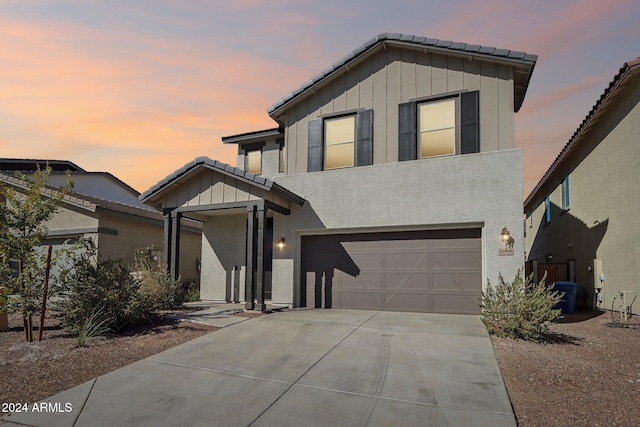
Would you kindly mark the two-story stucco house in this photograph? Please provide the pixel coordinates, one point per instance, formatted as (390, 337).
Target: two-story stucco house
(584, 210)
(385, 185)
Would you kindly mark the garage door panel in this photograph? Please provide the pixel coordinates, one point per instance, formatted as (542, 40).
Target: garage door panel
(407, 302)
(368, 281)
(406, 244)
(455, 281)
(366, 260)
(405, 260)
(455, 243)
(416, 280)
(423, 271)
(456, 303)
(455, 260)
(359, 300)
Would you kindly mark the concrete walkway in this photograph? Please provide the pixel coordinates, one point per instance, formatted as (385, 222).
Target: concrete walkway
(303, 367)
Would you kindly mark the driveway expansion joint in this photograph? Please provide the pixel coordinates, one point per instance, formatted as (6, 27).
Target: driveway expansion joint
(311, 367)
(218, 371)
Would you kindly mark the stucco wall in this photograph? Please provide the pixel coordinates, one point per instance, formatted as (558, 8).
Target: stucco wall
(602, 222)
(67, 219)
(481, 190)
(223, 257)
(133, 234)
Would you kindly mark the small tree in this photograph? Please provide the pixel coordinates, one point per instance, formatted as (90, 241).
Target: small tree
(23, 215)
(520, 309)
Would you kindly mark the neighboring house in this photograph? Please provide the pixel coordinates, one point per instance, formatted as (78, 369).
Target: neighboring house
(584, 210)
(100, 184)
(385, 185)
(116, 229)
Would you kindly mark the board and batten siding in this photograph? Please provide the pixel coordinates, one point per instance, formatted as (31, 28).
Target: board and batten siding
(210, 188)
(390, 77)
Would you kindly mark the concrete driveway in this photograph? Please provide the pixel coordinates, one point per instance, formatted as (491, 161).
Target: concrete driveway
(304, 367)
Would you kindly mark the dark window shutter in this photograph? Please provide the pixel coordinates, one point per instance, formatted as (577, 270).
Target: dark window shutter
(470, 122)
(364, 144)
(314, 153)
(407, 132)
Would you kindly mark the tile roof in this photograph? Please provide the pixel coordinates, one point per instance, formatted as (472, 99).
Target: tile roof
(92, 203)
(226, 169)
(7, 164)
(407, 39)
(575, 138)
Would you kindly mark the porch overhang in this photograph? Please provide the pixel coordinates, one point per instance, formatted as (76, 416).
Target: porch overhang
(207, 188)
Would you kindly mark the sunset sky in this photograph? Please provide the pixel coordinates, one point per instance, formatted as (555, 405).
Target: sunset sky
(140, 87)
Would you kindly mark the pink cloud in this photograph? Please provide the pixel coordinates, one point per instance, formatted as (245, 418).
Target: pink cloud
(534, 27)
(541, 103)
(95, 97)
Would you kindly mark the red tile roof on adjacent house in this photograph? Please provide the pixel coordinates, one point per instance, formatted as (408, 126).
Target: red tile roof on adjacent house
(628, 68)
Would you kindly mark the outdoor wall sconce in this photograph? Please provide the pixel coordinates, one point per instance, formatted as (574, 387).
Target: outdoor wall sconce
(506, 237)
(281, 243)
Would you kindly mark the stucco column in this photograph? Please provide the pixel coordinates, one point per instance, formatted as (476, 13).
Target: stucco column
(166, 250)
(248, 277)
(262, 224)
(174, 263)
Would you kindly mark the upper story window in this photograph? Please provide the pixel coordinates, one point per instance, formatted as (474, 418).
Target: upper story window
(565, 193)
(253, 161)
(547, 210)
(282, 157)
(437, 126)
(339, 142)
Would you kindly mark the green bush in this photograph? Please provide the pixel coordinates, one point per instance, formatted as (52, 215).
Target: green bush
(520, 309)
(108, 285)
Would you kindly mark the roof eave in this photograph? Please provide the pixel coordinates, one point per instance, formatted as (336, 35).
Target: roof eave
(628, 69)
(152, 195)
(521, 60)
(253, 136)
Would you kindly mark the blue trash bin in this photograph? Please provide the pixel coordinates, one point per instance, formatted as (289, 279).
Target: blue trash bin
(568, 291)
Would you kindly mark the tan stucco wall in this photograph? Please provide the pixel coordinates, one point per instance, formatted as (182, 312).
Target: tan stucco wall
(68, 219)
(223, 252)
(602, 222)
(133, 234)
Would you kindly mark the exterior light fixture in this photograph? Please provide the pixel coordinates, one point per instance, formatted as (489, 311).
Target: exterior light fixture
(505, 235)
(281, 243)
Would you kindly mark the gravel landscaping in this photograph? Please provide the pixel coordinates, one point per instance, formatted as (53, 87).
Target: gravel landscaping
(586, 373)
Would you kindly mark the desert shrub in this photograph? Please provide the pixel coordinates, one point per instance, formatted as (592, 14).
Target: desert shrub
(520, 309)
(193, 295)
(95, 327)
(108, 284)
(158, 289)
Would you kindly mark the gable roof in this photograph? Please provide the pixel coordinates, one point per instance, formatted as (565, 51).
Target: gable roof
(33, 165)
(629, 69)
(253, 136)
(92, 203)
(523, 62)
(225, 169)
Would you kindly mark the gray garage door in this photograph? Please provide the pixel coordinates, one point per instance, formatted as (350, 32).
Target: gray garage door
(424, 271)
